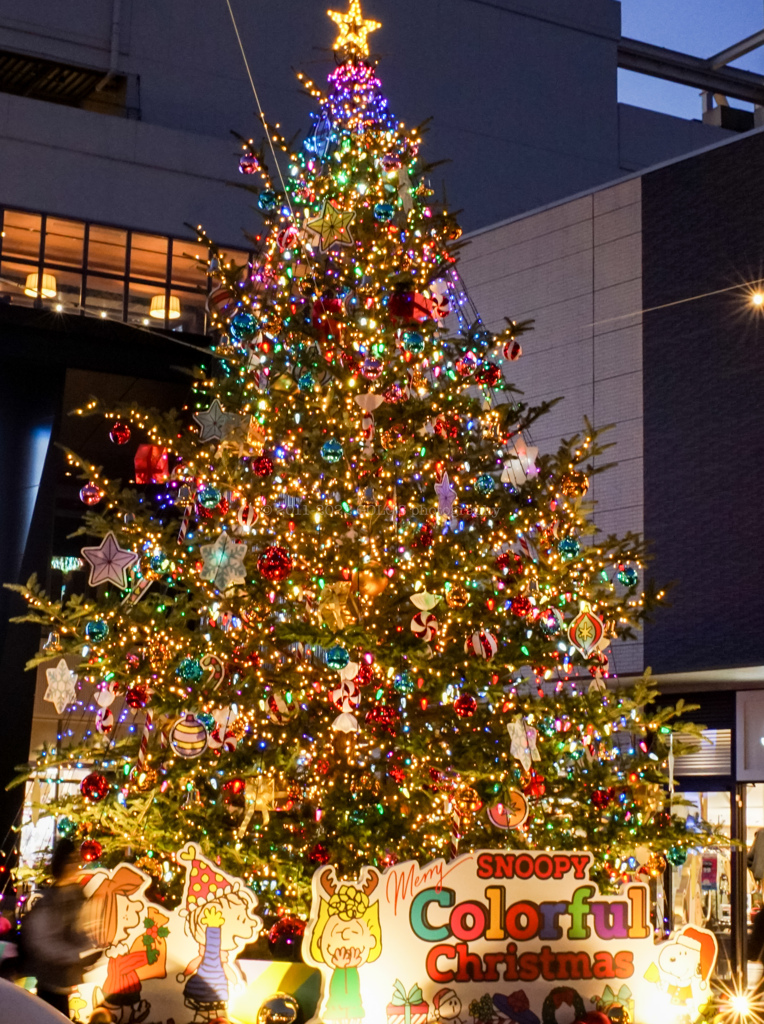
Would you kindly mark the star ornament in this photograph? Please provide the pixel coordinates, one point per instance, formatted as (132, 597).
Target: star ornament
(446, 496)
(109, 562)
(62, 686)
(215, 423)
(223, 562)
(354, 29)
(331, 227)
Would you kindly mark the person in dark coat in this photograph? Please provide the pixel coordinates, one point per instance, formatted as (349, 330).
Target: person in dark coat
(53, 940)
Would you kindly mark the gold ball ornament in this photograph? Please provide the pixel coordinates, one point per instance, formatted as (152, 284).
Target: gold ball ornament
(370, 582)
(143, 779)
(457, 597)
(467, 800)
(150, 866)
(574, 484)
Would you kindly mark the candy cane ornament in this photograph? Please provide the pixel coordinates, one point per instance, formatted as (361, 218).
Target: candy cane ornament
(143, 749)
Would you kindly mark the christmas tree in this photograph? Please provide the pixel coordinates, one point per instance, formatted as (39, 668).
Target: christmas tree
(348, 613)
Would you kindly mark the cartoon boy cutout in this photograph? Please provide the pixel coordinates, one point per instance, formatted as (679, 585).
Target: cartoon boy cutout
(220, 917)
(346, 936)
(116, 907)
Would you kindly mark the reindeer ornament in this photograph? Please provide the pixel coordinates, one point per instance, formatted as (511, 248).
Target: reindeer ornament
(345, 936)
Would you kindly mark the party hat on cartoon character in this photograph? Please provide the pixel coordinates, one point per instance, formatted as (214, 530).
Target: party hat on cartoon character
(219, 913)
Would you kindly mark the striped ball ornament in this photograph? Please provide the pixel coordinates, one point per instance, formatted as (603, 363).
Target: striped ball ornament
(188, 737)
(482, 644)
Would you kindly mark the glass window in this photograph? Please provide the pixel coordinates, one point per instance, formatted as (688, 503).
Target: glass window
(193, 312)
(15, 280)
(63, 242)
(140, 298)
(21, 235)
(148, 257)
(701, 888)
(189, 265)
(106, 249)
(105, 295)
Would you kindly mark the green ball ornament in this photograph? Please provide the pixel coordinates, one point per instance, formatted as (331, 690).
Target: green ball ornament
(209, 496)
(628, 576)
(337, 657)
(66, 827)
(331, 451)
(676, 856)
(568, 548)
(485, 484)
(403, 684)
(96, 631)
(190, 670)
(207, 720)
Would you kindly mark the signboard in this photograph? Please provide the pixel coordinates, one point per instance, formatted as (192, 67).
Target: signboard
(161, 964)
(495, 937)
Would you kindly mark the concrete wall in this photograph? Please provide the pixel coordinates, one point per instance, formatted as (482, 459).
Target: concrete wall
(577, 270)
(523, 95)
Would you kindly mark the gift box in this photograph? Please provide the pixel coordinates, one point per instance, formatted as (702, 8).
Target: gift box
(407, 1007)
(151, 466)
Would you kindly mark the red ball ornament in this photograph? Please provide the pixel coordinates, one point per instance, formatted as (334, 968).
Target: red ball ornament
(365, 675)
(94, 787)
(319, 854)
(90, 850)
(510, 563)
(488, 374)
(536, 787)
(233, 787)
(90, 494)
(521, 606)
(286, 932)
(262, 466)
(321, 766)
(382, 719)
(465, 705)
(397, 775)
(137, 696)
(602, 797)
(275, 563)
(120, 432)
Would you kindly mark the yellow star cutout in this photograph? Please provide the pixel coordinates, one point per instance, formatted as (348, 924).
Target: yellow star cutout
(331, 227)
(354, 29)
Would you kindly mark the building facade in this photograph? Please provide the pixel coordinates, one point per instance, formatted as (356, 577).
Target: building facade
(642, 295)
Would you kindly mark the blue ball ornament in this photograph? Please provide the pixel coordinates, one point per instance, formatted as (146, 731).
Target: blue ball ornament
(485, 484)
(337, 657)
(384, 212)
(306, 382)
(207, 720)
(629, 577)
(480, 335)
(568, 548)
(96, 631)
(209, 496)
(331, 451)
(242, 327)
(403, 684)
(190, 670)
(267, 202)
(413, 342)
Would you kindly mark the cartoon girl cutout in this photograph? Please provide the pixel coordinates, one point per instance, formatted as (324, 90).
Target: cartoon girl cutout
(346, 936)
(219, 916)
(116, 907)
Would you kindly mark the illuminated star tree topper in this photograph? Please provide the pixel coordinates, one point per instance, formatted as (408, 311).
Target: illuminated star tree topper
(354, 29)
